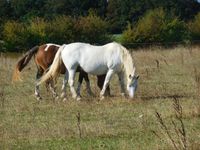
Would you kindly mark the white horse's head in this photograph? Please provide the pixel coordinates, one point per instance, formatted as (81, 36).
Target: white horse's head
(132, 84)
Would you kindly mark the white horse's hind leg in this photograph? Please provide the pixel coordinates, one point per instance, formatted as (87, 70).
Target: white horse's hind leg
(71, 83)
(121, 82)
(64, 85)
(106, 82)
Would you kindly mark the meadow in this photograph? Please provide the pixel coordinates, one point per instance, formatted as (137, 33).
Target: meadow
(167, 76)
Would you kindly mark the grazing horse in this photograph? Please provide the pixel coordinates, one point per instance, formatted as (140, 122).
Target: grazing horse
(97, 60)
(44, 56)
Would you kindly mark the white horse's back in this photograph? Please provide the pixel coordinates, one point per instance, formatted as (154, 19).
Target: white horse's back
(92, 59)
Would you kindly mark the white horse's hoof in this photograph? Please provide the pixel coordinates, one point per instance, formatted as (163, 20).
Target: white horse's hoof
(102, 98)
(39, 98)
(74, 96)
(78, 98)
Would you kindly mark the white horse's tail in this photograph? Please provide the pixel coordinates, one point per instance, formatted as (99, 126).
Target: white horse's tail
(54, 69)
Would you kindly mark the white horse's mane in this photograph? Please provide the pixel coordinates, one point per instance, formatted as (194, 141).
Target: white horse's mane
(127, 61)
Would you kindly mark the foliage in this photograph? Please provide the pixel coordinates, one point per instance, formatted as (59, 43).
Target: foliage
(13, 34)
(36, 31)
(92, 29)
(174, 30)
(66, 21)
(156, 26)
(61, 29)
(194, 27)
(121, 11)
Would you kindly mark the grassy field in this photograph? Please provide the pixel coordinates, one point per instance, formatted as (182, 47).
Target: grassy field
(114, 123)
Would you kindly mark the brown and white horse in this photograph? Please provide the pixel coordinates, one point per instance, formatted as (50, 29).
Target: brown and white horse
(44, 56)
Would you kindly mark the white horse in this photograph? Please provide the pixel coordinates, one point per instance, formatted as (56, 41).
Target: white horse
(97, 60)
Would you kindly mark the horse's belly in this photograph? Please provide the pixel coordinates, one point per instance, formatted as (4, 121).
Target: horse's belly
(95, 70)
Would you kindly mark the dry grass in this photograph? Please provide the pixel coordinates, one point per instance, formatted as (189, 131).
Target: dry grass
(116, 122)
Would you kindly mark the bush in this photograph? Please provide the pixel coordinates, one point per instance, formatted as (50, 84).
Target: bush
(61, 30)
(147, 28)
(174, 30)
(36, 32)
(155, 26)
(92, 29)
(21, 36)
(194, 27)
(13, 35)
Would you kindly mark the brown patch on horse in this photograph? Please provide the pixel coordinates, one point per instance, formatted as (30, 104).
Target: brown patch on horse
(45, 58)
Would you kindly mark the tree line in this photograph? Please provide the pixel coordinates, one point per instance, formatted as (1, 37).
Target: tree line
(25, 23)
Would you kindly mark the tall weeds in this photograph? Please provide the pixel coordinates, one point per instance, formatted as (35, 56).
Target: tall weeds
(176, 134)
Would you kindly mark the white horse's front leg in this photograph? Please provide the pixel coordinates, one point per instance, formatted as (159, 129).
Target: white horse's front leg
(106, 82)
(64, 85)
(121, 82)
(71, 84)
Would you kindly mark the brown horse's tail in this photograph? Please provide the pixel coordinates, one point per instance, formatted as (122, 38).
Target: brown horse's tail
(23, 62)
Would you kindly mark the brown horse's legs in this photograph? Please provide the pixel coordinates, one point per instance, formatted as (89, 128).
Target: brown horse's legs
(38, 75)
(84, 75)
(100, 82)
(53, 89)
(80, 81)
